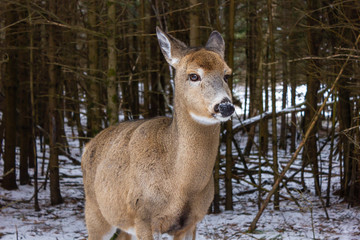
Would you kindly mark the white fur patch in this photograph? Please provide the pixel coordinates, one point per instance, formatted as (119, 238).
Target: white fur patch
(132, 232)
(84, 150)
(108, 235)
(174, 61)
(221, 118)
(204, 120)
(200, 71)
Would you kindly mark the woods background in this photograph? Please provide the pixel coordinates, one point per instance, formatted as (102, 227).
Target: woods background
(84, 65)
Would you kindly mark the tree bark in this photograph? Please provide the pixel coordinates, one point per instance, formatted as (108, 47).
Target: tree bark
(313, 85)
(55, 195)
(93, 94)
(293, 92)
(285, 74)
(10, 89)
(229, 158)
(112, 95)
(194, 25)
(273, 102)
(144, 62)
(252, 69)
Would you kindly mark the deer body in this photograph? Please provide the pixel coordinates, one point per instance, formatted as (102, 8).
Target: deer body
(155, 176)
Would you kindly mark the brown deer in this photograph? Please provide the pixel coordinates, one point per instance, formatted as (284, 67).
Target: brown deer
(154, 176)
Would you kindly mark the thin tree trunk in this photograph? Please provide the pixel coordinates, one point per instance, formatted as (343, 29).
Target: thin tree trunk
(262, 134)
(25, 132)
(333, 118)
(55, 194)
(24, 97)
(153, 74)
(293, 93)
(94, 109)
(313, 85)
(32, 143)
(216, 202)
(356, 165)
(143, 44)
(10, 89)
(284, 58)
(229, 159)
(112, 95)
(194, 25)
(133, 82)
(252, 63)
(273, 101)
(265, 143)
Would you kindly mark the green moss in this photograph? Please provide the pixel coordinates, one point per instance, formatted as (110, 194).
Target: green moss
(111, 72)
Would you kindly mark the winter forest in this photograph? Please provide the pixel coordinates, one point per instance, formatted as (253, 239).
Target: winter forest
(288, 162)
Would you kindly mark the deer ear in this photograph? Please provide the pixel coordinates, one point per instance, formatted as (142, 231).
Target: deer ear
(172, 48)
(216, 43)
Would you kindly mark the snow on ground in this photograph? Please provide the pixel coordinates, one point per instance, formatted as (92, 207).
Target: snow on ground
(18, 220)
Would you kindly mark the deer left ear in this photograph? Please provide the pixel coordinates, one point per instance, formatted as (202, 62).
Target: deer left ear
(172, 48)
(216, 43)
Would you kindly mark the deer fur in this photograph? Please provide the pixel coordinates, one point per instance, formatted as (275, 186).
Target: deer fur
(154, 176)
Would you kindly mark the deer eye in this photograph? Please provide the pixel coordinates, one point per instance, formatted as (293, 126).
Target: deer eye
(226, 78)
(194, 77)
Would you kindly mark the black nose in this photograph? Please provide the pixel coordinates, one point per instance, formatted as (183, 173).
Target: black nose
(226, 108)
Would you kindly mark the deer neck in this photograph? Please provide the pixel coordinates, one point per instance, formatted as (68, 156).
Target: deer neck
(196, 147)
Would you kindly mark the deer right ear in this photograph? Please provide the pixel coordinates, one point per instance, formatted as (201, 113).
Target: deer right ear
(216, 43)
(172, 48)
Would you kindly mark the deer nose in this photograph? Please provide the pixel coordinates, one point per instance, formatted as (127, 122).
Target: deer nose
(225, 108)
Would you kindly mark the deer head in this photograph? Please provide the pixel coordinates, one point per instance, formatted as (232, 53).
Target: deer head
(201, 77)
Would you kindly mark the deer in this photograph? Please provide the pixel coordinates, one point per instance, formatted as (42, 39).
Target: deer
(155, 176)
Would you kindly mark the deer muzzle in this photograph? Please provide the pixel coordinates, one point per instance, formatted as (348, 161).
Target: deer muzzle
(225, 108)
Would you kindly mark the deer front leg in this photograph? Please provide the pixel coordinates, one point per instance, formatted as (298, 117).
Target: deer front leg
(143, 230)
(188, 235)
(97, 226)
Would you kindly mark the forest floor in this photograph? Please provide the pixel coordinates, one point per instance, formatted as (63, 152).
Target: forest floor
(19, 220)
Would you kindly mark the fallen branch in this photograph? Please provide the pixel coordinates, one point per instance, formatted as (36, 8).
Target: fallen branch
(298, 108)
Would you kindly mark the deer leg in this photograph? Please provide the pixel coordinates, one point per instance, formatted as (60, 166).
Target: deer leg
(97, 226)
(143, 230)
(188, 235)
(124, 236)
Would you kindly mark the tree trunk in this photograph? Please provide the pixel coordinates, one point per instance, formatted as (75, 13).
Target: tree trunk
(229, 159)
(284, 60)
(251, 73)
(32, 139)
(293, 92)
(194, 25)
(112, 95)
(153, 74)
(313, 85)
(25, 131)
(265, 125)
(94, 109)
(346, 108)
(10, 89)
(24, 98)
(216, 202)
(133, 81)
(144, 62)
(55, 195)
(273, 102)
